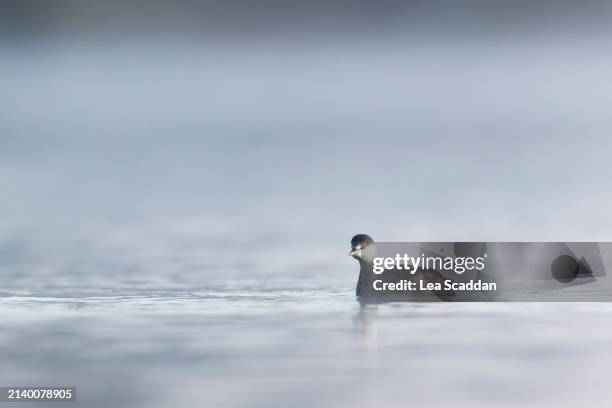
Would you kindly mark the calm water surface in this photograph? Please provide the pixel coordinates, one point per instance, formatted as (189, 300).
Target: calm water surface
(300, 348)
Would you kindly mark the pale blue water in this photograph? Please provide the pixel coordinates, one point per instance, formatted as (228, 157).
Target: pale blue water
(174, 222)
(306, 349)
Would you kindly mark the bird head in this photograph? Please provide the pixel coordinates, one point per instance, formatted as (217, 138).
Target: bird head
(358, 244)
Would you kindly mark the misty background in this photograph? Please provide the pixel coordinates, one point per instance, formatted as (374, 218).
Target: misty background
(179, 183)
(144, 143)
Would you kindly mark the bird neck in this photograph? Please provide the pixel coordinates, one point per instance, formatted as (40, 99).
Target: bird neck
(365, 277)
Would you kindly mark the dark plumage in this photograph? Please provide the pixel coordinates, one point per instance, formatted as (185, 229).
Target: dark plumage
(361, 240)
(363, 249)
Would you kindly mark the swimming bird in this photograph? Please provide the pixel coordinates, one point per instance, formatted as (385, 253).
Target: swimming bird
(363, 249)
(359, 243)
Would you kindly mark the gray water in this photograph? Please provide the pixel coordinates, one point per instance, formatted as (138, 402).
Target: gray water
(306, 349)
(175, 219)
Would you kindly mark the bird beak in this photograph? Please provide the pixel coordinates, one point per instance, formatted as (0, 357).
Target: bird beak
(355, 253)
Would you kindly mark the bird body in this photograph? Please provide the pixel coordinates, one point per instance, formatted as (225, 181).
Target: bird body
(392, 285)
